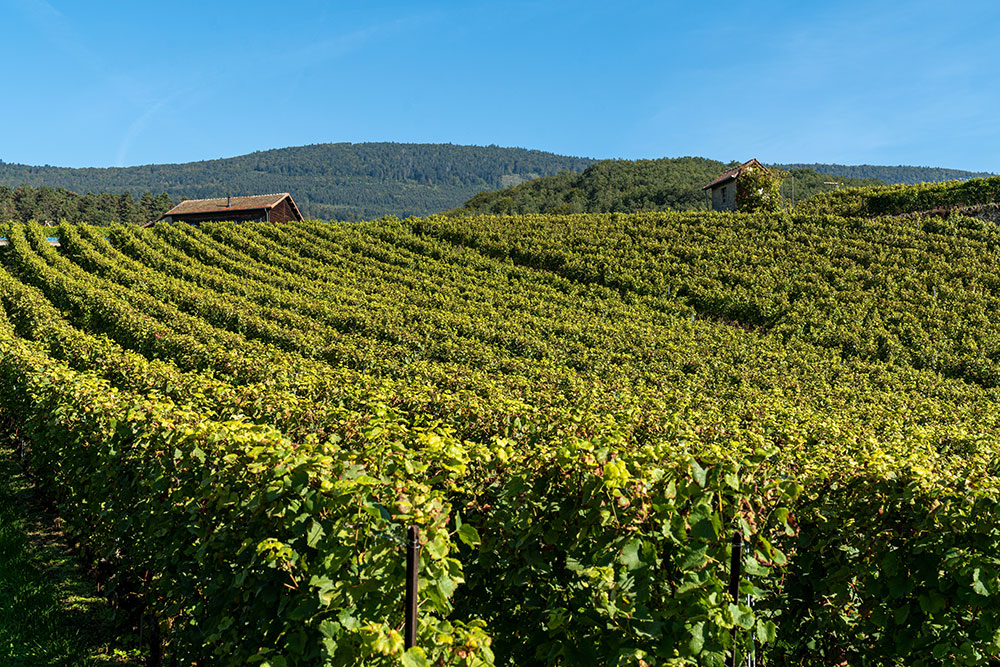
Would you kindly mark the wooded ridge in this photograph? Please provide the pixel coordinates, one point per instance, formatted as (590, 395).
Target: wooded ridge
(347, 181)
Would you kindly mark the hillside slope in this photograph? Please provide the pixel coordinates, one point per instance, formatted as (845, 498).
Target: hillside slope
(579, 412)
(941, 198)
(339, 181)
(631, 186)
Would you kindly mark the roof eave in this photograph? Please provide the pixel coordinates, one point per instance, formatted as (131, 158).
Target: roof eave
(291, 202)
(296, 207)
(721, 181)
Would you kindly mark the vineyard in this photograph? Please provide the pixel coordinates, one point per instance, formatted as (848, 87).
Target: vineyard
(906, 199)
(578, 412)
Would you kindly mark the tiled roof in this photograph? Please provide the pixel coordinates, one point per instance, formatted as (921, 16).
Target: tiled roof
(218, 205)
(731, 174)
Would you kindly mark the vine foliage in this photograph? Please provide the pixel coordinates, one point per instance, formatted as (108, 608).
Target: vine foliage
(758, 189)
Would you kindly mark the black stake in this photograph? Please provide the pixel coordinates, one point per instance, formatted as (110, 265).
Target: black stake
(412, 567)
(735, 567)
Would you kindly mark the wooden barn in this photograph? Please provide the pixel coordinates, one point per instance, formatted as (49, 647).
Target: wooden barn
(278, 207)
(724, 187)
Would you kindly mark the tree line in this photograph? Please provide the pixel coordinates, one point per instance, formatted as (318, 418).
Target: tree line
(47, 204)
(890, 175)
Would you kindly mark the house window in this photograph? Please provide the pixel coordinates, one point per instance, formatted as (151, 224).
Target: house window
(723, 195)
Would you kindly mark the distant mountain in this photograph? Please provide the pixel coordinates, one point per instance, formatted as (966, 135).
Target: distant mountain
(891, 175)
(628, 186)
(344, 181)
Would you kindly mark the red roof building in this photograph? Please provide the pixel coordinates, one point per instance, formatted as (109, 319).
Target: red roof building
(278, 207)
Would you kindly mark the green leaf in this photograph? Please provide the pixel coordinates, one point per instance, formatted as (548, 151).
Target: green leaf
(767, 632)
(315, 533)
(697, 638)
(325, 588)
(753, 568)
(378, 511)
(742, 616)
(329, 629)
(445, 586)
(349, 622)
(900, 586)
(692, 558)
(900, 615)
(437, 548)
(415, 657)
(733, 480)
(706, 528)
(468, 534)
(712, 658)
(977, 584)
(699, 473)
(630, 555)
(931, 603)
(790, 490)
(557, 619)
(941, 650)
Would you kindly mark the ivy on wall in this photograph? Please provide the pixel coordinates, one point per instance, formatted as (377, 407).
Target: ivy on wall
(758, 189)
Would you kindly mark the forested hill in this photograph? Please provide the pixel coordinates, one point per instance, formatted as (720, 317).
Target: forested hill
(344, 181)
(891, 175)
(629, 186)
(369, 180)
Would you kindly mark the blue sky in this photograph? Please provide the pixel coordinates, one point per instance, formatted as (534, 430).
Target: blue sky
(116, 83)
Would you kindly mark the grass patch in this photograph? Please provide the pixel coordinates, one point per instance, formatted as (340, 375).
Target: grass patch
(50, 612)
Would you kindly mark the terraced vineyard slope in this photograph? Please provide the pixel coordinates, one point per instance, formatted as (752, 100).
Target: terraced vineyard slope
(577, 411)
